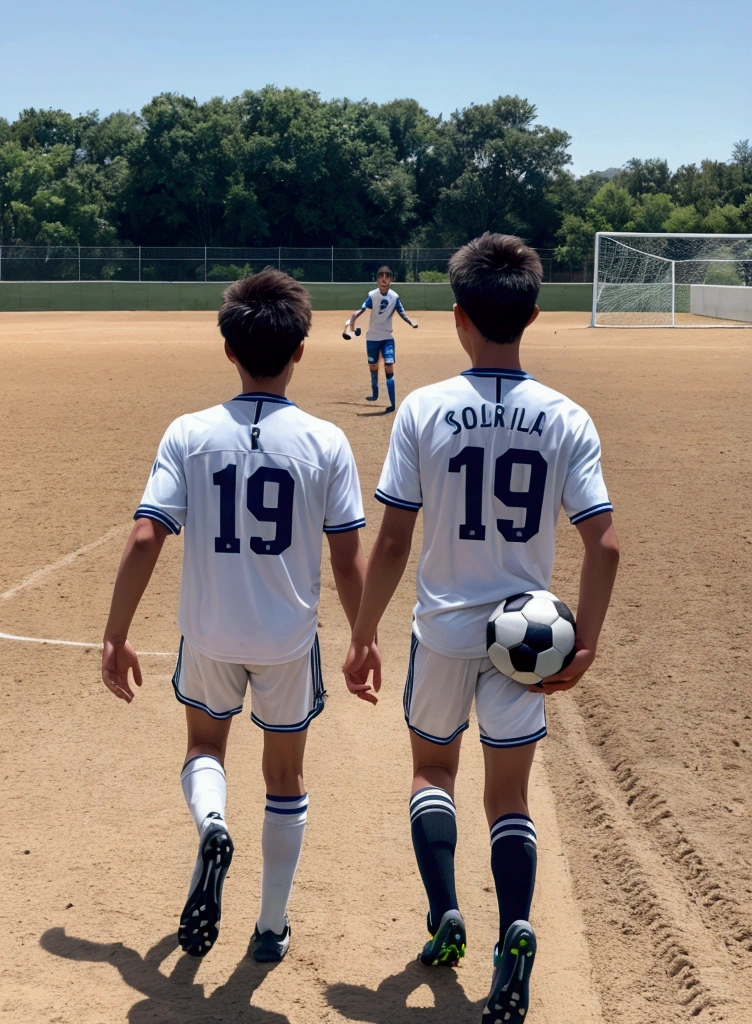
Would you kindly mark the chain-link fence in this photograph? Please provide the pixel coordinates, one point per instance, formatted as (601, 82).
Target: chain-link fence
(159, 263)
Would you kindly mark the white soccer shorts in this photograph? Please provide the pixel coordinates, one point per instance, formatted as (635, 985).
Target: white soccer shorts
(284, 698)
(439, 693)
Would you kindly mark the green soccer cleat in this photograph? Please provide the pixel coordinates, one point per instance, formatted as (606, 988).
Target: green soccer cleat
(447, 946)
(509, 997)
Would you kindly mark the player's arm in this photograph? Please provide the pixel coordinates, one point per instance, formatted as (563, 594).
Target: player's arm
(401, 310)
(349, 570)
(599, 565)
(141, 552)
(349, 324)
(386, 565)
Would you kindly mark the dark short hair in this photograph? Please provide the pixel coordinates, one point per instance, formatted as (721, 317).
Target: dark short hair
(496, 280)
(384, 270)
(263, 319)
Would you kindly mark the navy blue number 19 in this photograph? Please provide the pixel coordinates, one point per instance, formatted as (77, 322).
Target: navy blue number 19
(280, 514)
(473, 459)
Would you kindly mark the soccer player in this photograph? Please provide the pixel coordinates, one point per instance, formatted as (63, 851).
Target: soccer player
(255, 482)
(490, 456)
(383, 302)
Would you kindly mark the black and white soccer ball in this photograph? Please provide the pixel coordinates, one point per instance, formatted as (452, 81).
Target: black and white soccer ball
(531, 636)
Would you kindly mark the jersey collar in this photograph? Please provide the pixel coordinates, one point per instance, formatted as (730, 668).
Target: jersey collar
(262, 396)
(479, 371)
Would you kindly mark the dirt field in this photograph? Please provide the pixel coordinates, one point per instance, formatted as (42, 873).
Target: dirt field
(641, 794)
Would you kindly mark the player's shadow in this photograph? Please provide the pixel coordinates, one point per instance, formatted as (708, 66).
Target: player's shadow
(174, 998)
(388, 1003)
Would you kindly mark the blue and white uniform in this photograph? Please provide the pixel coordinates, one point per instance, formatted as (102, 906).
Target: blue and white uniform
(490, 456)
(380, 333)
(255, 482)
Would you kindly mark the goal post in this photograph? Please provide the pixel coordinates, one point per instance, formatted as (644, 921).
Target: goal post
(657, 279)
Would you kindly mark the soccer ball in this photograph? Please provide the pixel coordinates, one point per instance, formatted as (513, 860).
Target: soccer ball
(531, 636)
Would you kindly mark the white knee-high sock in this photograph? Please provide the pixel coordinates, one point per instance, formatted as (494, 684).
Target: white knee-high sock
(281, 843)
(204, 787)
(205, 791)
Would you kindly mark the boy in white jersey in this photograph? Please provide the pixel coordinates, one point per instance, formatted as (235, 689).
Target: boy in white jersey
(383, 303)
(490, 456)
(256, 482)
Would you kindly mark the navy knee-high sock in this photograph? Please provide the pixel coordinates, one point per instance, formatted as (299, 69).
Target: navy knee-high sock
(433, 825)
(375, 383)
(390, 389)
(514, 858)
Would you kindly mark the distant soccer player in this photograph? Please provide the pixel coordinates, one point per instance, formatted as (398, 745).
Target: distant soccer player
(383, 302)
(490, 456)
(255, 481)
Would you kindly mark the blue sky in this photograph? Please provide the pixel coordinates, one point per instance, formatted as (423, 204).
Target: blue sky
(666, 78)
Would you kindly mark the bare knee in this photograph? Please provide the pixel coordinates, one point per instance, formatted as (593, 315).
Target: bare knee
(284, 780)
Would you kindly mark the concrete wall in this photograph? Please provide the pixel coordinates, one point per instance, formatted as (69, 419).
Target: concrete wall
(19, 296)
(723, 301)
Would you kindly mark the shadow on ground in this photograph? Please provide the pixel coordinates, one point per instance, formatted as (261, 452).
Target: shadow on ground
(388, 1003)
(176, 999)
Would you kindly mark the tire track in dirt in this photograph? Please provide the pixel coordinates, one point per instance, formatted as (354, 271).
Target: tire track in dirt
(634, 867)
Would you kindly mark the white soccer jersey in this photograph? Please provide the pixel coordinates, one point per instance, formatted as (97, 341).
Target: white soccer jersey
(490, 456)
(383, 308)
(254, 481)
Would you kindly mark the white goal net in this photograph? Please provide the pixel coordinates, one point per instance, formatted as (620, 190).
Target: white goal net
(664, 280)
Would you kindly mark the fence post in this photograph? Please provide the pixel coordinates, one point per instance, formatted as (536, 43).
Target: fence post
(332, 264)
(139, 264)
(1, 262)
(279, 258)
(204, 264)
(79, 264)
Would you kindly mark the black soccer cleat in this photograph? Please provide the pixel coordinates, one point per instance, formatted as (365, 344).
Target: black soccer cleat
(448, 944)
(199, 922)
(372, 398)
(389, 408)
(509, 997)
(268, 947)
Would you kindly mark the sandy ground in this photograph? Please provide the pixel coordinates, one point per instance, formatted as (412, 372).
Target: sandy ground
(641, 793)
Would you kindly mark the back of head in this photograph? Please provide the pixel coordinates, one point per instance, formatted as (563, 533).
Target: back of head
(264, 319)
(496, 280)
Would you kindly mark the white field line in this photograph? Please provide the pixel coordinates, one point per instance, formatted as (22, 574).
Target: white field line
(79, 643)
(38, 575)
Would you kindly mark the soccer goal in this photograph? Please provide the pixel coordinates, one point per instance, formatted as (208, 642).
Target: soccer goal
(665, 280)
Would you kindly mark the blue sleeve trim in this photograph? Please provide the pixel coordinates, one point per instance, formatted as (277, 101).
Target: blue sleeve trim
(368, 304)
(398, 306)
(149, 512)
(387, 499)
(354, 524)
(594, 510)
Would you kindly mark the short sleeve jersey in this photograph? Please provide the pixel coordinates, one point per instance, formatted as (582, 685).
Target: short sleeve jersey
(490, 456)
(383, 308)
(255, 482)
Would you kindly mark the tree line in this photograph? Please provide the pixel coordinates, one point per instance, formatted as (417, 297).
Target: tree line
(284, 167)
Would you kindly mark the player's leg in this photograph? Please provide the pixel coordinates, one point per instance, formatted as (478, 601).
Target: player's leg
(373, 352)
(285, 700)
(389, 361)
(438, 696)
(433, 827)
(281, 840)
(512, 719)
(212, 693)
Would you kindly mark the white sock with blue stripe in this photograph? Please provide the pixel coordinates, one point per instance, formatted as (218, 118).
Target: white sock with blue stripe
(281, 843)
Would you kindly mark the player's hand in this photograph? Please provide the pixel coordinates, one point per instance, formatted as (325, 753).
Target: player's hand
(118, 658)
(361, 660)
(413, 325)
(569, 676)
